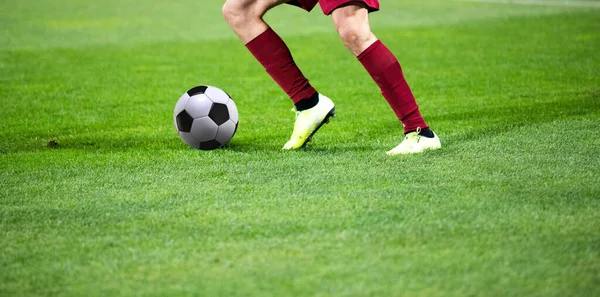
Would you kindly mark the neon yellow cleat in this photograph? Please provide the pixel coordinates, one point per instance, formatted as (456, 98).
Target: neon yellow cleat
(414, 143)
(309, 121)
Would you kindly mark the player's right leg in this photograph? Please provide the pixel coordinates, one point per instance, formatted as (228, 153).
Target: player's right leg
(246, 18)
(351, 20)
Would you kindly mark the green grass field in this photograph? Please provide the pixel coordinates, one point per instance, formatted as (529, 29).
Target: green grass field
(99, 197)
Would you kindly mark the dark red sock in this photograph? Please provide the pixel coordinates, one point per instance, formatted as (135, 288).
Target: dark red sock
(275, 56)
(385, 70)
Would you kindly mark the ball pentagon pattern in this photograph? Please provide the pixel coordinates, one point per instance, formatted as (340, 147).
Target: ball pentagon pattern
(205, 117)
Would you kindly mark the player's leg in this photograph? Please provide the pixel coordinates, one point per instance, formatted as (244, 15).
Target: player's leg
(351, 20)
(246, 18)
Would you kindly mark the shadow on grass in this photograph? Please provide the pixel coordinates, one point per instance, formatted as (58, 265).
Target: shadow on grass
(104, 142)
(491, 121)
(318, 148)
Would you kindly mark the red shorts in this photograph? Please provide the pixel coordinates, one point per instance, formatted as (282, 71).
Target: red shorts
(329, 6)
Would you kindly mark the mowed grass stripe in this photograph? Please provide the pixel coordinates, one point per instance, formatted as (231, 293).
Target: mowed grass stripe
(589, 3)
(36, 25)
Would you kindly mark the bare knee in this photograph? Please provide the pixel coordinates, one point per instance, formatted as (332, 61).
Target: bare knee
(352, 24)
(239, 13)
(352, 37)
(236, 12)
(356, 39)
(245, 16)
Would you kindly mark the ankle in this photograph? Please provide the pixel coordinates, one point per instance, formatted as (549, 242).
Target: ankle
(425, 132)
(307, 103)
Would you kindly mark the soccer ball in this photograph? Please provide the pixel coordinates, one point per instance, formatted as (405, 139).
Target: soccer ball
(205, 117)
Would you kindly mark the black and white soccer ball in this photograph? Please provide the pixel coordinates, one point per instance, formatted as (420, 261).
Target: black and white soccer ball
(205, 117)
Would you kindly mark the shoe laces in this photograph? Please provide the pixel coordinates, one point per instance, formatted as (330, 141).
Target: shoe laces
(294, 110)
(414, 136)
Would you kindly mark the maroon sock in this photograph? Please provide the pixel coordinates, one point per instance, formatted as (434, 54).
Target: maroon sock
(275, 56)
(385, 70)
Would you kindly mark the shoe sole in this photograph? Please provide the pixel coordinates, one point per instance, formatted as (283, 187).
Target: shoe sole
(414, 153)
(411, 153)
(330, 114)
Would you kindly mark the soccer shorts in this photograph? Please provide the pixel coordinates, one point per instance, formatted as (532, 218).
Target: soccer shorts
(329, 6)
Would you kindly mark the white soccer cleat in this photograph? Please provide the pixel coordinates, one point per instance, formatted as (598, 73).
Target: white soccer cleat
(309, 121)
(414, 143)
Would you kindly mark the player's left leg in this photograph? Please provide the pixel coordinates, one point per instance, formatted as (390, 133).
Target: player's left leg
(351, 20)
(245, 17)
